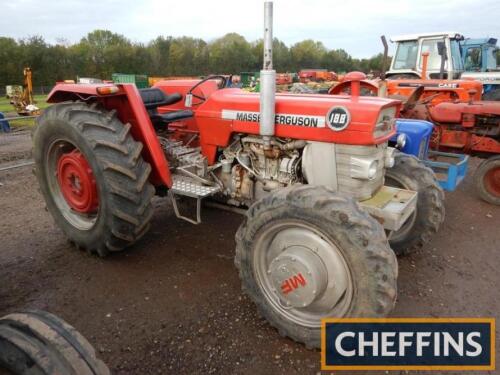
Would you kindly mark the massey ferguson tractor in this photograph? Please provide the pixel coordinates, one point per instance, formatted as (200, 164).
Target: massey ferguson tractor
(320, 230)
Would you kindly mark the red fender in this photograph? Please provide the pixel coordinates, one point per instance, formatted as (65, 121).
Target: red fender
(130, 109)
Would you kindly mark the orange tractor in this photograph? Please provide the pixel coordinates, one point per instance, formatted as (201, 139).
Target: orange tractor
(463, 122)
(310, 172)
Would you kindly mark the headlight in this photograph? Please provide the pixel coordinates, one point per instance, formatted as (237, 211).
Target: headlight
(364, 169)
(401, 141)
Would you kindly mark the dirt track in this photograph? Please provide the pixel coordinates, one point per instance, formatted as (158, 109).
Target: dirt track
(173, 304)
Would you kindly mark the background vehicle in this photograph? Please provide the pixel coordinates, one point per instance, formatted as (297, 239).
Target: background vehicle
(450, 168)
(316, 75)
(309, 168)
(23, 100)
(464, 123)
(459, 57)
(480, 63)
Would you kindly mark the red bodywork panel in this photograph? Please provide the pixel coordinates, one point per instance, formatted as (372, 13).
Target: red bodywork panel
(455, 106)
(130, 108)
(216, 119)
(462, 112)
(216, 131)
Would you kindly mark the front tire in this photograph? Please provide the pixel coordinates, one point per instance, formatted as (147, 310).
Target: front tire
(92, 176)
(487, 180)
(410, 173)
(306, 252)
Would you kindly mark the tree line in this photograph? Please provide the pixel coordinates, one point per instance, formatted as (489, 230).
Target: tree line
(101, 53)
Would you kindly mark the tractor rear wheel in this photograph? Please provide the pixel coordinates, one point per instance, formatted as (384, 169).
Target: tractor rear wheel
(92, 176)
(410, 173)
(36, 342)
(487, 180)
(306, 252)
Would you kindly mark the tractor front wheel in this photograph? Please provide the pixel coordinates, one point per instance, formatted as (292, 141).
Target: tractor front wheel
(306, 252)
(92, 176)
(410, 173)
(487, 180)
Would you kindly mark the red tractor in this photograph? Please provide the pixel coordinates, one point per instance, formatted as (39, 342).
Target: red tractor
(308, 169)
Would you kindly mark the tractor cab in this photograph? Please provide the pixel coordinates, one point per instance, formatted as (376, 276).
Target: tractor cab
(480, 55)
(408, 62)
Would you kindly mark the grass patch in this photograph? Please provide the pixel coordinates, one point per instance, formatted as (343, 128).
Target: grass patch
(8, 110)
(6, 107)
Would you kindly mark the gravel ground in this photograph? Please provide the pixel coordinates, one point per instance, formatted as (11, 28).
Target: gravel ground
(173, 304)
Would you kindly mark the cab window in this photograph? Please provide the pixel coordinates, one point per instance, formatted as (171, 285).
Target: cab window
(492, 56)
(456, 55)
(473, 59)
(406, 55)
(434, 60)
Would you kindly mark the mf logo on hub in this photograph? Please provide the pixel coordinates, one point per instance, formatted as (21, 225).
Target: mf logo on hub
(408, 344)
(292, 283)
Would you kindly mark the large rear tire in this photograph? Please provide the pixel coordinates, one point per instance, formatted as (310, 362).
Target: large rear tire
(92, 176)
(410, 173)
(306, 252)
(36, 342)
(487, 180)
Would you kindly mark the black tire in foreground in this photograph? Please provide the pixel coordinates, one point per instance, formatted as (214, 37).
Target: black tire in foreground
(306, 253)
(487, 180)
(39, 343)
(115, 170)
(410, 173)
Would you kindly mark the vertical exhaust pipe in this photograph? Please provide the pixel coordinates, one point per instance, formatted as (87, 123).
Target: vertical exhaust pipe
(267, 80)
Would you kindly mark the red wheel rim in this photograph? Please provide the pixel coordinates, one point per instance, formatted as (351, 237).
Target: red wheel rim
(492, 181)
(77, 182)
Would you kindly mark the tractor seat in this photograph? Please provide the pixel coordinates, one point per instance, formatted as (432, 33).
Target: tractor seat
(154, 98)
(174, 116)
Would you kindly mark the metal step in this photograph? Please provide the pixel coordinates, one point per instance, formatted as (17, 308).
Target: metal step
(189, 187)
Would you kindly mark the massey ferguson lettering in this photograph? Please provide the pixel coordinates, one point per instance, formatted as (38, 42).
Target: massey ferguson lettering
(280, 118)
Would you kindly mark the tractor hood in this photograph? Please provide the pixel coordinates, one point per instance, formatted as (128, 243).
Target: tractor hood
(325, 118)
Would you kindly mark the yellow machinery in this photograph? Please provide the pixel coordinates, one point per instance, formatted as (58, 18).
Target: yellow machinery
(23, 101)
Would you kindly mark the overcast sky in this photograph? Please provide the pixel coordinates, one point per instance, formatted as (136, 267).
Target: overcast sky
(354, 25)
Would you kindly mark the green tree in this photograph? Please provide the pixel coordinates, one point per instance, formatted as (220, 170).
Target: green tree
(106, 52)
(10, 73)
(307, 54)
(281, 55)
(159, 52)
(338, 60)
(230, 54)
(187, 56)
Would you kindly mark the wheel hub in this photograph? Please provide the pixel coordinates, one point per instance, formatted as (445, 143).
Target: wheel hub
(77, 182)
(299, 276)
(492, 181)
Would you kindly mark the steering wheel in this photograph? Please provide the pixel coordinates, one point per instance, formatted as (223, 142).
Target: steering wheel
(220, 85)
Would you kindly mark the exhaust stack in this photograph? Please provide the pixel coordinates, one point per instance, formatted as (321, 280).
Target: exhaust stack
(267, 80)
